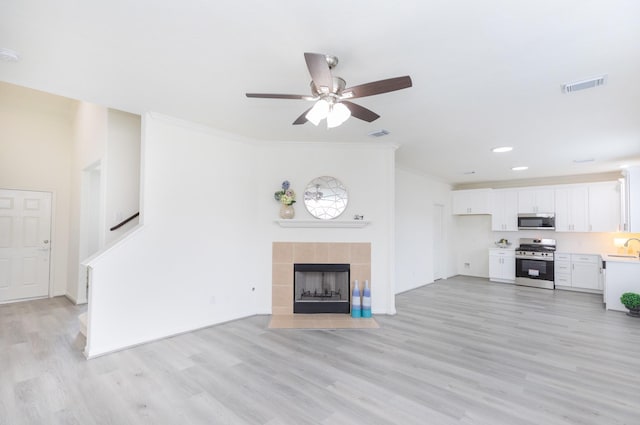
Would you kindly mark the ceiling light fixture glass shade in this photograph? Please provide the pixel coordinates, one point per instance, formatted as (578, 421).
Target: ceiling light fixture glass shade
(502, 149)
(319, 112)
(337, 115)
(522, 168)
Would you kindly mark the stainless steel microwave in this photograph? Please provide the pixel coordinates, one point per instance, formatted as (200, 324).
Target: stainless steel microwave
(539, 221)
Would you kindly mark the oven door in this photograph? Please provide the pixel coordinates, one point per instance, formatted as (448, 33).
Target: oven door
(534, 269)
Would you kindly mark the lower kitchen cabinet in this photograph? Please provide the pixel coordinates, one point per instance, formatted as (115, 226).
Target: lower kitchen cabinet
(579, 272)
(502, 265)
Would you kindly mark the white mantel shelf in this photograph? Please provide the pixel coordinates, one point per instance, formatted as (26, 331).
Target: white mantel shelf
(322, 223)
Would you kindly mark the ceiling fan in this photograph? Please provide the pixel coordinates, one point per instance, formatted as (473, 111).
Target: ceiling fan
(330, 93)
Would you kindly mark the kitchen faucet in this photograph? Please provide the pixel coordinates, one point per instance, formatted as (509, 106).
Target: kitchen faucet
(626, 244)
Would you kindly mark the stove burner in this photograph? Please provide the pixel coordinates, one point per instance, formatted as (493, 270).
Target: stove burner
(536, 249)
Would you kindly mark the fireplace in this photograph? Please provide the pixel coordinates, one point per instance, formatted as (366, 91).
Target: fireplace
(286, 254)
(321, 288)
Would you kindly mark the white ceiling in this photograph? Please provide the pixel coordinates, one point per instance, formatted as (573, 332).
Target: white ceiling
(485, 73)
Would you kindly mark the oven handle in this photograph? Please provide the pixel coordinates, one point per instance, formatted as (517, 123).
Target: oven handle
(532, 258)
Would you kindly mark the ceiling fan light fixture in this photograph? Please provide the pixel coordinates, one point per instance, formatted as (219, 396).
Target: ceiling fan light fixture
(319, 112)
(337, 115)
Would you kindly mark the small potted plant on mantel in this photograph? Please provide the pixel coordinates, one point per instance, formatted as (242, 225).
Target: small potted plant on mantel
(631, 300)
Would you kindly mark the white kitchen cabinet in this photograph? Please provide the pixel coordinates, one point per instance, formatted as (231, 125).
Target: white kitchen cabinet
(562, 269)
(538, 200)
(502, 265)
(572, 206)
(579, 272)
(472, 201)
(504, 210)
(604, 207)
(622, 276)
(586, 272)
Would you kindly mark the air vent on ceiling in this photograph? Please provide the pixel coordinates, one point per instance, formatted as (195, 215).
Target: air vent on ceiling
(584, 84)
(379, 133)
(8, 55)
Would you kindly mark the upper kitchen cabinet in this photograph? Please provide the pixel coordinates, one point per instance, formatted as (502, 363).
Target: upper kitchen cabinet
(536, 201)
(472, 201)
(604, 207)
(572, 204)
(632, 199)
(504, 210)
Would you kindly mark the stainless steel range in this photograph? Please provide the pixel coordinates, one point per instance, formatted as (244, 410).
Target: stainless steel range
(534, 263)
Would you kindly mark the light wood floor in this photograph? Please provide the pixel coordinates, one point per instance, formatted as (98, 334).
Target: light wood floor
(321, 321)
(460, 351)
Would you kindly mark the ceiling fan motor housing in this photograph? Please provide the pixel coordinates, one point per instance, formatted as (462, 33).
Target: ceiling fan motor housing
(338, 85)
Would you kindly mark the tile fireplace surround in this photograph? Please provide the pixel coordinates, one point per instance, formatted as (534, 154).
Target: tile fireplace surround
(286, 254)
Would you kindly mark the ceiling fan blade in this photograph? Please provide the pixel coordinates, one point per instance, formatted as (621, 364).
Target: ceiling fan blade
(320, 71)
(377, 87)
(302, 118)
(360, 112)
(280, 96)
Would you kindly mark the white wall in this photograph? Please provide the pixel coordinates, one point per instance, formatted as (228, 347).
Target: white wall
(122, 169)
(108, 141)
(367, 171)
(415, 197)
(190, 264)
(35, 154)
(89, 147)
(473, 238)
(208, 224)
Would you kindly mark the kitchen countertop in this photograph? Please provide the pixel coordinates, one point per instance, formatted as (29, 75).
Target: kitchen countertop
(620, 258)
(506, 248)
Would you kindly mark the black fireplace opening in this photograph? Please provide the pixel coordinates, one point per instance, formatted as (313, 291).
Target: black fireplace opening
(321, 288)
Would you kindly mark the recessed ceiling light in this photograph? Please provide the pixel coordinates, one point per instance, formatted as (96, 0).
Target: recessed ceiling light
(522, 168)
(9, 55)
(624, 166)
(582, 161)
(502, 149)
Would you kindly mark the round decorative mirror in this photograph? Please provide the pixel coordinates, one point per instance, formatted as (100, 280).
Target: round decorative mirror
(325, 198)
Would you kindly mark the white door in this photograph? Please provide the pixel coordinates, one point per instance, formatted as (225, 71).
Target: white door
(438, 242)
(25, 244)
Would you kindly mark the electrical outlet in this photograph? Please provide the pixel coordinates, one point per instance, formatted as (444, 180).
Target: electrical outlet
(467, 265)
